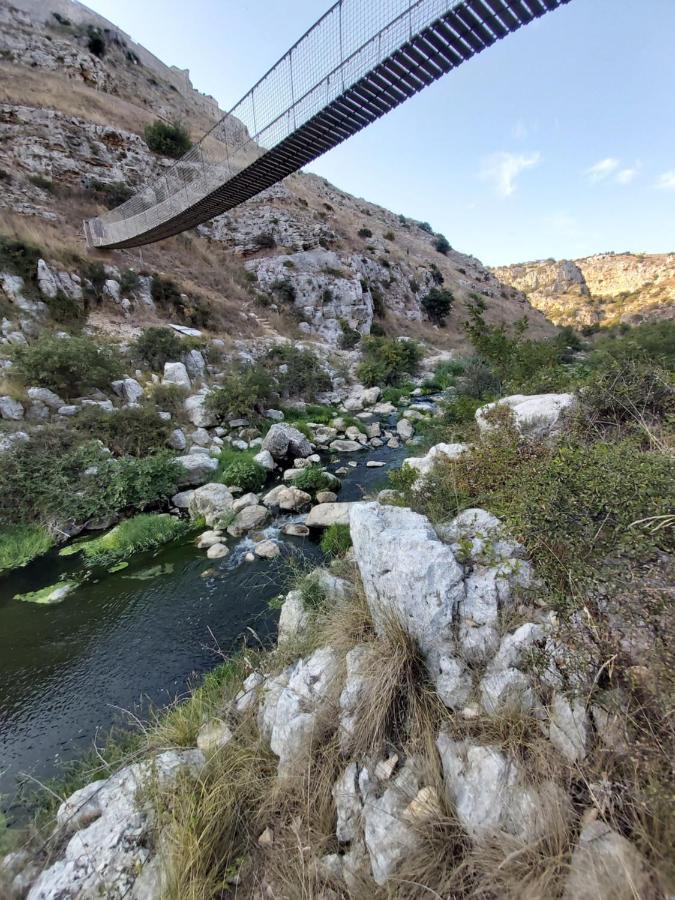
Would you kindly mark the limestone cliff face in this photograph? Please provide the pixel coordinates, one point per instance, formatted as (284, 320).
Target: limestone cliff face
(316, 258)
(604, 289)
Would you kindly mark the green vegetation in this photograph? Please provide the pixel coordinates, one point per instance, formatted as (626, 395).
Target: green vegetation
(365, 233)
(51, 595)
(442, 244)
(170, 139)
(387, 361)
(67, 311)
(336, 540)
(167, 296)
(68, 366)
(350, 337)
(60, 479)
(129, 431)
(156, 346)
(169, 398)
(244, 393)
(305, 376)
(437, 305)
(245, 473)
(379, 307)
(313, 479)
(144, 532)
(109, 193)
(20, 544)
(19, 258)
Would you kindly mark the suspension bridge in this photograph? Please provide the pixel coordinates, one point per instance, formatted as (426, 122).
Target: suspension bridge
(360, 60)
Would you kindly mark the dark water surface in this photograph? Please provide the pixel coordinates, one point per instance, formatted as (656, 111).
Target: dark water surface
(134, 638)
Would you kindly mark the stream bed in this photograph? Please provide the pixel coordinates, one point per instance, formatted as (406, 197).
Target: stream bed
(135, 638)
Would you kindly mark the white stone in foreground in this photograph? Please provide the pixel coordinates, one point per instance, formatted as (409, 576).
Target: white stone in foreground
(537, 415)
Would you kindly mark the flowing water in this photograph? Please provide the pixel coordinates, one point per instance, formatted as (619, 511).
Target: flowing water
(132, 639)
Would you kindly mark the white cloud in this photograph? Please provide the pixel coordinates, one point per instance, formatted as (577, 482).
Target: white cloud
(625, 176)
(667, 181)
(502, 169)
(603, 169)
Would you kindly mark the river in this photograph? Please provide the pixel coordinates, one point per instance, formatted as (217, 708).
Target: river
(132, 639)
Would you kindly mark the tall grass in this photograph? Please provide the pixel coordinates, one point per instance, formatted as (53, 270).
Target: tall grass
(20, 544)
(143, 532)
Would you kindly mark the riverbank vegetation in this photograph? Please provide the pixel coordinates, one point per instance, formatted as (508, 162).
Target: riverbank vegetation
(142, 532)
(20, 544)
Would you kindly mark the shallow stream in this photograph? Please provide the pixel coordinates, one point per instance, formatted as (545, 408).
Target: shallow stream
(133, 638)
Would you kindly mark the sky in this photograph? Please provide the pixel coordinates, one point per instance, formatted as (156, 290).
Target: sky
(558, 141)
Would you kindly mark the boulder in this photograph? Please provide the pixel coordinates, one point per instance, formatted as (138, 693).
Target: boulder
(11, 409)
(211, 502)
(186, 330)
(182, 499)
(437, 453)
(389, 834)
(195, 364)
(606, 866)
(343, 446)
(293, 618)
(405, 429)
(274, 415)
(248, 695)
(128, 389)
(347, 804)
(44, 395)
(267, 550)
(265, 459)
(326, 497)
(201, 437)
(537, 415)
(507, 691)
(177, 440)
(295, 529)
(209, 539)
(176, 373)
(213, 735)
(247, 519)
(245, 500)
(197, 411)
(293, 707)
(326, 514)
(355, 691)
(197, 467)
(287, 498)
(569, 726)
(284, 440)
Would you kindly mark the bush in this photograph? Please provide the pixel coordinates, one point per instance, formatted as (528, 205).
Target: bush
(312, 480)
(244, 393)
(170, 139)
(20, 258)
(305, 376)
(336, 540)
(442, 244)
(44, 482)
(92, 270)
(132, 430)
(96, 43)
(144, 532)
(365, 233)
(379, 308)
(350, 337)
(68, 366)
(437, 305)
(66, 311)
(109, 193)
(651, 341)
(170, 398)
(479, 380)
(245, 473)
(168, 296)
(22, 543)
(387, 361)
(156, 346)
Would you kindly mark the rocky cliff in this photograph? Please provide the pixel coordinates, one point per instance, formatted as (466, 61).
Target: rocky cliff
(304, 259)
(603, 290)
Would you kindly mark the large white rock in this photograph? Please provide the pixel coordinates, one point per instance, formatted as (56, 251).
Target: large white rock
(489, 792)
(437, 453)
(326, 514)
(294, 706)
(569, 726)
(197, 411)
(287, 498)
(389, 834)
(354, 696)
(211, 502)
(176, 373)
(345, 446)
(44, 395)
(11, 409)
(247, 519)
(405, 429)
(284, 440)
(606, 866)
(293, 618)
(109, 848)
(128, 389)
(537, 415)
(265, 459)
(197, 467)
(347, 804)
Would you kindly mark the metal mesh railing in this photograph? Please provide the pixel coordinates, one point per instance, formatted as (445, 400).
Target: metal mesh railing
(351, 39)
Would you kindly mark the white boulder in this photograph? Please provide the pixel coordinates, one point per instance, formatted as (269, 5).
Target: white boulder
(537, 415)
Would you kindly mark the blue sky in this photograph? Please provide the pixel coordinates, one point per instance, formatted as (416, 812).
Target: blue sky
(559, 141)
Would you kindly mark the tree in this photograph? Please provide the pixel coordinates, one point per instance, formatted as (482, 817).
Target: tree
(442, 244)
(437, 305)
(168, 138)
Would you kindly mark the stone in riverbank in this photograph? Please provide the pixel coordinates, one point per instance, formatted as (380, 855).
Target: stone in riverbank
(537, 415)
(284, 440)
(197, 468)
(326, 514)
(211, 502)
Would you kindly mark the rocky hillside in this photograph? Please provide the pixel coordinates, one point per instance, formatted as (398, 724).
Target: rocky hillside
(304, 259)
(603, 290)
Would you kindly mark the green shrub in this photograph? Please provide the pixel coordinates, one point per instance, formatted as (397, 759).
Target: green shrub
(312, 480)
(379, 308)
(168, 296)
(244, 393)
(170, 398)
(68, 366)
(437, 305)
(394, 394)
(45, 184)
(312, 592)
(44, 482)
(653, 341)
(20, 258)
(389, 236)
(22, 543)
(66, 311)
(93, 271)
(156, 346)
(304, 377)
(387, 361)
(109, 193)
(350, 337)
(336, 540)
(170, 139)
(245, 473)
(144, 532)
(442, 244)
(131, 430)
(479, 380)
(365, 233)
(425, 226)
